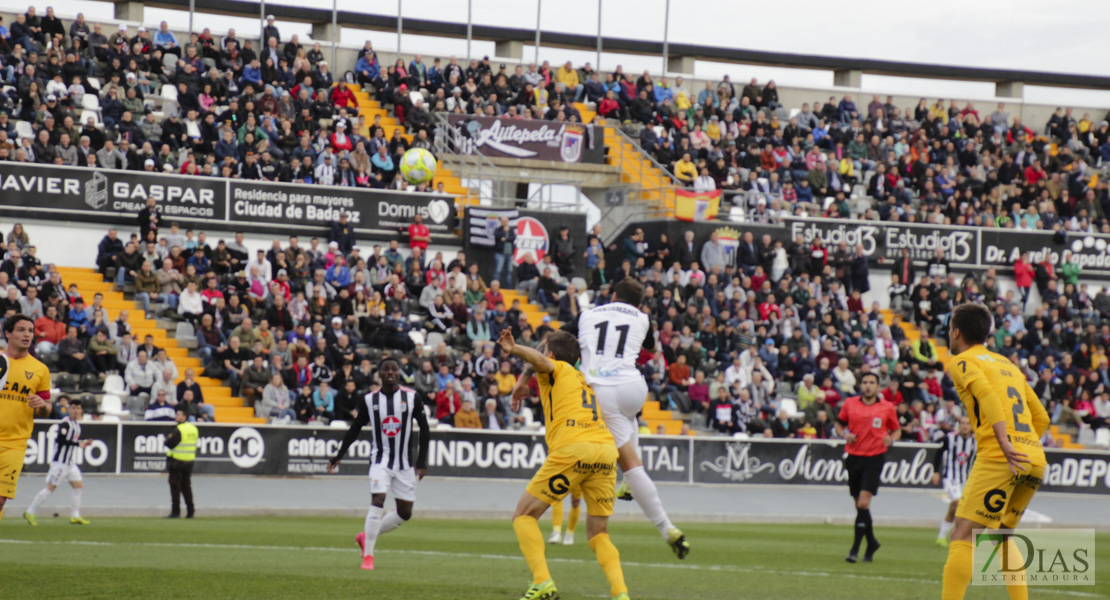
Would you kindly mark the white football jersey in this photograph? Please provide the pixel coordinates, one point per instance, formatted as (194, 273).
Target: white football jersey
(611, 336)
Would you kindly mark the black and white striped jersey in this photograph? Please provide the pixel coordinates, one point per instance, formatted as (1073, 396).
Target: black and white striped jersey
(66, 443)
(390, 419)
(955, 457)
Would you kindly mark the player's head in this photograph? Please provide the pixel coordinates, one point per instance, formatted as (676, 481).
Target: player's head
(869, 385)
(965, 425)
(181, 414)
(563, 346)
(629, 291)
(970, 326)
(389, 371)
(20, 332)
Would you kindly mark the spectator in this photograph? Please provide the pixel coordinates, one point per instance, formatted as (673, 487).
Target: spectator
(160, 409)
(467, 417)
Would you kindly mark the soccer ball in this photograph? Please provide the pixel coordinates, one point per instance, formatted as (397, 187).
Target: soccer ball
(418, 166)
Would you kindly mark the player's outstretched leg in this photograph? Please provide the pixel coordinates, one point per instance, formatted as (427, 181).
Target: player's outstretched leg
(647, 496)
(528, 534)
(40, 497)
(369, 536)
(556, 523)
(607, 555)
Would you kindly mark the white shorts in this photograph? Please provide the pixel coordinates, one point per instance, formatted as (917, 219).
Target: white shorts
(619, 405)
(384, 480)
(954, 489)
(60, 473)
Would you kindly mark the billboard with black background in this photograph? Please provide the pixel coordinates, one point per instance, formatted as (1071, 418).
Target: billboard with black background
(139, 447)
(116, 197)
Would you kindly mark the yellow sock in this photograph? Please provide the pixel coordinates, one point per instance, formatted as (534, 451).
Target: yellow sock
(1016, 585)
(610, 560)
(957, 570)
(575, 511)
(531, 545)
(557, 517)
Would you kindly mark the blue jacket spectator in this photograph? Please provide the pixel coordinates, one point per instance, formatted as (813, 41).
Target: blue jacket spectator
(338, 275)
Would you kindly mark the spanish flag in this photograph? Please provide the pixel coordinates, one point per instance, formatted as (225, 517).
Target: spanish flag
(696, 206)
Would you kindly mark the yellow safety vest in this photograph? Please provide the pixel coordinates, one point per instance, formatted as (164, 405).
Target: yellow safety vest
(185, 450)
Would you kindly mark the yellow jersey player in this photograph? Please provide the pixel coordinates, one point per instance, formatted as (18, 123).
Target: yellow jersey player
(581, 455)
(1009, 421)
(24, 395)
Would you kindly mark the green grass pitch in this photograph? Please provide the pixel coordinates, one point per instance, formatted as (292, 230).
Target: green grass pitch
(307, 557)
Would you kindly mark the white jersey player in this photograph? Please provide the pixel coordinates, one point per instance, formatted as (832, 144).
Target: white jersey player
(63, 467)
(611, 336)
(951, 467)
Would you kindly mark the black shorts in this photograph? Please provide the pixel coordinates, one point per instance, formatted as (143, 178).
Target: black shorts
(864, 473)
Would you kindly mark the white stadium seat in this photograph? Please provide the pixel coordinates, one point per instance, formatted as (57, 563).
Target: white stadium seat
(114, 384)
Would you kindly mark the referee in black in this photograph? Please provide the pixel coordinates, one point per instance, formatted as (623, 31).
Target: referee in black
(869, 425)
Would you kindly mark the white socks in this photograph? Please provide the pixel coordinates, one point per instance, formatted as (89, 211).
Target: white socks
(945, 529)
(371, 528)
(41, 497)
(647, 496)
(75, 506)
(390, 522)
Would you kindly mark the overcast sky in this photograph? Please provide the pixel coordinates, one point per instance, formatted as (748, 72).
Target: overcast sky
(1011, 34)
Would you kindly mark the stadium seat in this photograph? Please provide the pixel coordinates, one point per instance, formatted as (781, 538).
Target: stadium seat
(112, 405)
(94, 83)
(184, 330)
(94, 114)
(417, 337)
(24, 130)
(736, 214)
(443, 426)
(110, 419)
(579, 283)
(170, 62)
(67, 383)
(114, 384)
(169, 92)
(1102, 438)
(90, 102)
(433, 340)
(790, 405)
(740, 435)
(338, 424)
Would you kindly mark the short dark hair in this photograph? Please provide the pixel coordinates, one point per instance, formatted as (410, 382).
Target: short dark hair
(974, 322)
(564, 346)
(12, 321)
(869, 374)
(629, 291)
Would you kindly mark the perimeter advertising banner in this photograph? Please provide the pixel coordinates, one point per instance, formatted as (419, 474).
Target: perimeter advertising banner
(525, 139)
(100, 456)
(883, 242)
(298, 450)
(113, 196)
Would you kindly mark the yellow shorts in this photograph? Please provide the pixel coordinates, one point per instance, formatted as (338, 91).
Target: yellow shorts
(996, 498)
(589, 467)
(11, 465)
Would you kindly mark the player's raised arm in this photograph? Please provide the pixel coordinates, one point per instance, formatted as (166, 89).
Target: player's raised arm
(539, 362)
(361, 420)
(425, 438)
(1040, 415)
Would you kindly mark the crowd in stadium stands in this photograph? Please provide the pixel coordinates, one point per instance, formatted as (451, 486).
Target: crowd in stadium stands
(767, 339)
(932, 163)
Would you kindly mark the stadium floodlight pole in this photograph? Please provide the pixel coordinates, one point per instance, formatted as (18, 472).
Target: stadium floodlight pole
(400, 24)
(334, 32)
(192, 9)
(262, 26)
(539, 10)
(666, 32)
(469, 27)
(598, 66)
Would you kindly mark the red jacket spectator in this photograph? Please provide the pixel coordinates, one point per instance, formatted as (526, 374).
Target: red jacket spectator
(1023, 273)
(493, 298)
(609, 107)
(447, 403)
(1033, 174)
(49, 330)
(341, 142)
(418, 236)
(342, 96)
